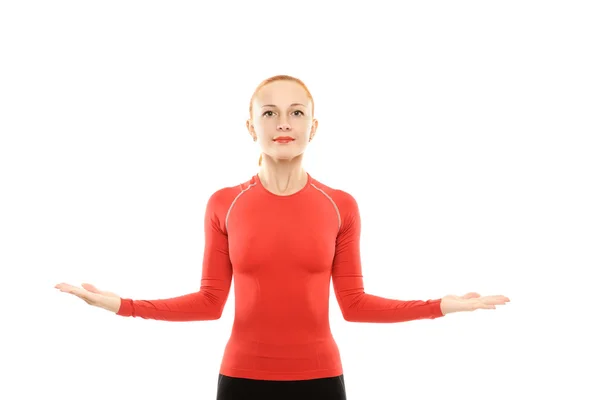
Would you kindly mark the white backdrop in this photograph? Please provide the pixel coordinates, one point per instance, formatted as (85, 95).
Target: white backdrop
(467, 131)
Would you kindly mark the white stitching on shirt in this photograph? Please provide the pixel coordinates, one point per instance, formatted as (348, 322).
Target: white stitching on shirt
(233, 202)
(334, 205)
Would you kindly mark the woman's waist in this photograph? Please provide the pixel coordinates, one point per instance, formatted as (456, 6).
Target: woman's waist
(281, 354)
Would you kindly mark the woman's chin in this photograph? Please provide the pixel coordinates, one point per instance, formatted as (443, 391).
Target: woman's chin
(286, 157)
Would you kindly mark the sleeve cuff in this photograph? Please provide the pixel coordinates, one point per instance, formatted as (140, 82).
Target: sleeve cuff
(126, 308)
(436, 308)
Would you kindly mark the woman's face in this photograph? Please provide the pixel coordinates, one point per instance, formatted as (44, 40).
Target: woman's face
(282, 109)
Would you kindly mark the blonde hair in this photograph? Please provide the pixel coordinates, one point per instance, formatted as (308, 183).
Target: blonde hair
(281, 78)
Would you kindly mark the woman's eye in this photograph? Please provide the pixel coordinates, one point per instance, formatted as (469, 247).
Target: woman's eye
(296, 113)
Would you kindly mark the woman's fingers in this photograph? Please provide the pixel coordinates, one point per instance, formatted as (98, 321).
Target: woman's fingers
(488, 302)
(487, 306)
(87, 296)
(64, 287)
(476, 304)
(498, 299)
(91, 288)
(88, 287)
(94, 289)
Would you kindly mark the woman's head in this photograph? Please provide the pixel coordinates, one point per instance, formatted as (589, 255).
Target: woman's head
(282, 106)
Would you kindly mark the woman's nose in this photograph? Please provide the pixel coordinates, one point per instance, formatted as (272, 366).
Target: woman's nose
(284, 127)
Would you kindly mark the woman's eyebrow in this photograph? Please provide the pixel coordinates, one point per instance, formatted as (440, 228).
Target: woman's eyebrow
(291, 105)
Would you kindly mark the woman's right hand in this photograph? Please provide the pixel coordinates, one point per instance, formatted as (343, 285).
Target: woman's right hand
(93, 296)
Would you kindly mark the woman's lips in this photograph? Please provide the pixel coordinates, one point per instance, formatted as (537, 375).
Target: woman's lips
(284, 139)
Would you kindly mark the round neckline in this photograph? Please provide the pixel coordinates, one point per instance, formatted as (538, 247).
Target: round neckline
(258, 182)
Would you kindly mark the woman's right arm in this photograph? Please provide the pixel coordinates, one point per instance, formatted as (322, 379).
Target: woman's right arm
(208, 302)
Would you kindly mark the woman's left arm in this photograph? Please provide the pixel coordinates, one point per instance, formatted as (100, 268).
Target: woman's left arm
(358, 306)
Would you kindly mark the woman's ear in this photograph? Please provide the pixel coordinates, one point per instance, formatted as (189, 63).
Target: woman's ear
(250, 128)
(313, 129)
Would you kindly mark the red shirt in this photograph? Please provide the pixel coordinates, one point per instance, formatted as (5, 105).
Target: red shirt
(282, 252)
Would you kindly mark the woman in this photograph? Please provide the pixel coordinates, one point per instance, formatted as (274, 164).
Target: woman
(283, 236)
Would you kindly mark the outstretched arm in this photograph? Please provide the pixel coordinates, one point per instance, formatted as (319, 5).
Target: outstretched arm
(208, 302)
(358, 306)
(355, 304)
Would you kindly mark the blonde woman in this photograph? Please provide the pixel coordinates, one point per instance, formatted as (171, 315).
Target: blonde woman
(283, 236)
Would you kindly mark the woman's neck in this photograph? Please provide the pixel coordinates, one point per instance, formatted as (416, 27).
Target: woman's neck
(282, 177)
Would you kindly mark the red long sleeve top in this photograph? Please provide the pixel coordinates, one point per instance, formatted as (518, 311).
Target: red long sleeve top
(283, 252)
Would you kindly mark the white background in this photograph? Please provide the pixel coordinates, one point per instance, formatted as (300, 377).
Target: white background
(467, 131)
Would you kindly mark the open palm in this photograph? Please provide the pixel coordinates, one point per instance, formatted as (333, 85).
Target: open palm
(470, 302)
(93, 296)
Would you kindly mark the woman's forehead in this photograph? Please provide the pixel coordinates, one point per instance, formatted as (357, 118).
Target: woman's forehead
(282, 93)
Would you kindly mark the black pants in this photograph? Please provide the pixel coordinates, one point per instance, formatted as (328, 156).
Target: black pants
(250, 389)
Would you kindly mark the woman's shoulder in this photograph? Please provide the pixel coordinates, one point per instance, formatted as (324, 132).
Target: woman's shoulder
(342, 197)
(225, 195)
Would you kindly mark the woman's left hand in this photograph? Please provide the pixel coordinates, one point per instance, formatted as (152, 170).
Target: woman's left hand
(471, 302)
